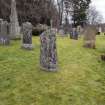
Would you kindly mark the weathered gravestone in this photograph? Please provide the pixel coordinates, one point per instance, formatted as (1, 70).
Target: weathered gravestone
(80, 30)
(61, 33)
(4, 33)
(90, 37)
(48, 52)
(74, 34)
(27, 36)
(99, 30)
(14, 24)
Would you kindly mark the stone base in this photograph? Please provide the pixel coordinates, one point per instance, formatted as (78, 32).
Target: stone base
(90, 44)
(27, 46)
(49, 70)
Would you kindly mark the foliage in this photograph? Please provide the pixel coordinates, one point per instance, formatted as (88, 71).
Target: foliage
(73, 10)
(80, 7)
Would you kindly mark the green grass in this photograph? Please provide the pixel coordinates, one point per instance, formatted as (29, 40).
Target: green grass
(79, 81)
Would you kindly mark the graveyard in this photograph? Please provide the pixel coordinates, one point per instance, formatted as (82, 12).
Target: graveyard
(52, 52)
(80, 79)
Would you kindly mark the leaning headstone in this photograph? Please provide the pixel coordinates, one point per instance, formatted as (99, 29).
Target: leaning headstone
(4, 33)
(90, 37)
(27, 36)
(14, 24)
(48, 52)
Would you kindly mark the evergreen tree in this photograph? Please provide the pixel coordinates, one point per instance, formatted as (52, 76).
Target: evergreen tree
(79, 15)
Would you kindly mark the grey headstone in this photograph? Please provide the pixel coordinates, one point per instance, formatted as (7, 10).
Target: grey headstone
(74, 34)
(4, 33)
(48, 51)
(90, 37)
(62, 33)
(27, 36)
(80, 30)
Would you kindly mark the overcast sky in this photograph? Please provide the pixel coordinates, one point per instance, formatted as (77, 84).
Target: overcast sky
(100, 6)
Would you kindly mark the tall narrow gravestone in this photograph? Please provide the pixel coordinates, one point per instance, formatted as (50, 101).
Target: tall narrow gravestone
(14, 24)
(27, 36)
(90, 37)
(48, 51)
(4, 33)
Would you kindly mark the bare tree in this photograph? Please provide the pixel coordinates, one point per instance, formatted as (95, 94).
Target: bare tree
(34, 11)
(60, 7)
(93, 16)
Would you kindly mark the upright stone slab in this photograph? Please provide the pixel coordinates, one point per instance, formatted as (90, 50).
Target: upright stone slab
(14, 24)
(90, 37)
(61, 33)
(48, 52)
(99, 30)
(27, 36)
(74, 34)
(80, 30)
(4, 33)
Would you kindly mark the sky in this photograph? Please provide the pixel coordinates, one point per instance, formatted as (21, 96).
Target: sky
(100, 6)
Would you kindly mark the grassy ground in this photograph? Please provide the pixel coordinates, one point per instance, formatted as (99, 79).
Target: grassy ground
(79, 81)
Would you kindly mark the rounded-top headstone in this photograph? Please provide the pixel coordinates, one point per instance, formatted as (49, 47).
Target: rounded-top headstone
(27, 36)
